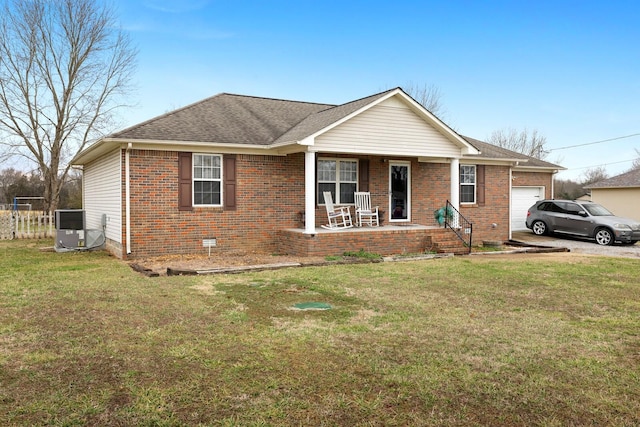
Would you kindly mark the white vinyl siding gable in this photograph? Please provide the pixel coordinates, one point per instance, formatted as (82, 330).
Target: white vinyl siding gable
(390, 128)
(102, 194)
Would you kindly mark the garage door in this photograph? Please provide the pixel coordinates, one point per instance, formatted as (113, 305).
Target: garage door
(521, 200)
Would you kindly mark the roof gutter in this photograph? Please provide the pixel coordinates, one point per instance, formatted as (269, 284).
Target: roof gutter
(107, 144)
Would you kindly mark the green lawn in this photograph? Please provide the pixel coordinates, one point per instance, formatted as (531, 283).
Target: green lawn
(482, 340)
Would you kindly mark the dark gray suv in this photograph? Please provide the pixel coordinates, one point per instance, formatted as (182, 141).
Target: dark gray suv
(583, 219)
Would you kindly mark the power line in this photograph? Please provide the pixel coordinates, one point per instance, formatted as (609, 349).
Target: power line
(602, 164)
(595, 142)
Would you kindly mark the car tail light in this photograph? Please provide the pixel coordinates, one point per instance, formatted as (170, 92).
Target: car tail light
(528, 213)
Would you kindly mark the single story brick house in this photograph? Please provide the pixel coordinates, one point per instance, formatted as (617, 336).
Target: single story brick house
(620, 194)
(242, 173)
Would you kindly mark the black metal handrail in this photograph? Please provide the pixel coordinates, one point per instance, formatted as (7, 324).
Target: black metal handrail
(459, 224)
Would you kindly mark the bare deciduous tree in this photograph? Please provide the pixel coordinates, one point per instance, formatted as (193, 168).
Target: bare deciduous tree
(528, 143)
(593, 175)
(64, 69)
(428, 95)
(636, 162)
(567, 189)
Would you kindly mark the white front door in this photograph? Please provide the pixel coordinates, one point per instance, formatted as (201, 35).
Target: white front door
(399, 191)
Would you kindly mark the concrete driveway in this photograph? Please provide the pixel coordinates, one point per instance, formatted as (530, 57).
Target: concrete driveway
(577, 245)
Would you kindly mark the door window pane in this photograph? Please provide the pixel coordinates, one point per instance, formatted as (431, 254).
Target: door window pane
(399, 183)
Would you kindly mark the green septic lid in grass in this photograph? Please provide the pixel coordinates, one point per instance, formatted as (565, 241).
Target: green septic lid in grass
(313, 306)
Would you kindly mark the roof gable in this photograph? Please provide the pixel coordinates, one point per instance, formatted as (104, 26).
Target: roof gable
(391, 127)
(324, 121)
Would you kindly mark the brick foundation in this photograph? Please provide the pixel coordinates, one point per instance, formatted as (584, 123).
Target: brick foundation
(387, 240)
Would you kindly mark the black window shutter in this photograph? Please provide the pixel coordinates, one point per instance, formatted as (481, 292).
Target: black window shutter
(229, 181)
(363, 172)
(480, 185)
(184, 182)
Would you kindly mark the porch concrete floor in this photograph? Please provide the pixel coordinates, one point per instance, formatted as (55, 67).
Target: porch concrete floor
(366, 228)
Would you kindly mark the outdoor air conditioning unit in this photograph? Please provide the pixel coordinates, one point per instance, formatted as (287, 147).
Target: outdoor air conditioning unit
(70, 219)
(70, 229)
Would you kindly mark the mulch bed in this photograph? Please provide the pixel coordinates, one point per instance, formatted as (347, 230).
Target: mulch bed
(240, 262)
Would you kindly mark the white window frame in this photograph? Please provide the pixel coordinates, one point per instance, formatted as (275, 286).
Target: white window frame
(212, 179)
(473, 184)
(338, 180)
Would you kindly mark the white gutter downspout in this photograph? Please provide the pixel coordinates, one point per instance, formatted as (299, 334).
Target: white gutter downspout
(127, 203)
(511, 198)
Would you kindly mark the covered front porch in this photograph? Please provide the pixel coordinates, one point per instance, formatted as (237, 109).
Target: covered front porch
(384, 240)
(390, 193)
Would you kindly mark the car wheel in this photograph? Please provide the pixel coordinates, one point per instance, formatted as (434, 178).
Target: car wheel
(604, 237)
(539, 228)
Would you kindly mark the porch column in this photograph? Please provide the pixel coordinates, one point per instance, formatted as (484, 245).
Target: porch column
(310, 192)
(454, 198)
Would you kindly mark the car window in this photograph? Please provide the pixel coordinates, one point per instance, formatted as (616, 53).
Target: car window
(556, 207)
(561, 207)
(573, 208)
(597, 210)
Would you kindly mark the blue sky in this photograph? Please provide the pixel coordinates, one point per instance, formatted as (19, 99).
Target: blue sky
(570, 69)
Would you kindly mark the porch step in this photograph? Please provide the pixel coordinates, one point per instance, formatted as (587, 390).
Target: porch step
(448, 242)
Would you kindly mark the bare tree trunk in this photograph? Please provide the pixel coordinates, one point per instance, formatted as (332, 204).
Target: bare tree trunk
(64, 69)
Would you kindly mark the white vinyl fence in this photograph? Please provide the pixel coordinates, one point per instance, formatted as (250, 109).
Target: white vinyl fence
(26, 225)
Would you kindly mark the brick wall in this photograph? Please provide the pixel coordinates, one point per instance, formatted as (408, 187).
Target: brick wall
(534, 179)
(270, 192)
(270, 195)
(491, 220)
(430, 190)
(383, 242)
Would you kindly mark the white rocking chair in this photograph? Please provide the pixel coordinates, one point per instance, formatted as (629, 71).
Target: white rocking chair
(365, 213)
(339, 216)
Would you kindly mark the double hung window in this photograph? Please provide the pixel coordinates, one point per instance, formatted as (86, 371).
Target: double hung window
(340, 177)
(207, 180)
(467, 184)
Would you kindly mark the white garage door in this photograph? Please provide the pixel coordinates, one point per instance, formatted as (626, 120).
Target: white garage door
(522, 198)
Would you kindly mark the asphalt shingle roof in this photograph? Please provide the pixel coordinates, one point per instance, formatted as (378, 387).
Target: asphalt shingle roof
(627, 179)
(491, 151)
(226, 118)
(238, 119)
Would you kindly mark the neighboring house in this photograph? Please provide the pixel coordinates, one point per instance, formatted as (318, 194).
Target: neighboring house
(620, 194)
(249, 172)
